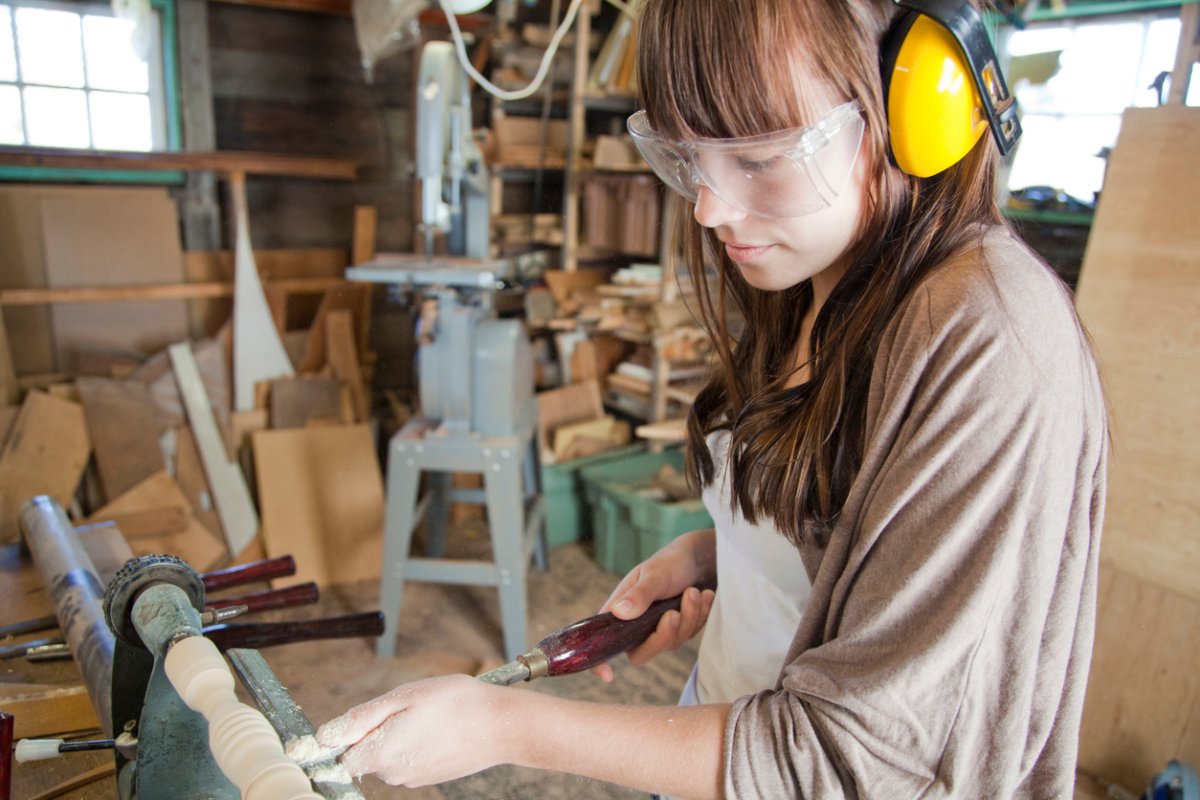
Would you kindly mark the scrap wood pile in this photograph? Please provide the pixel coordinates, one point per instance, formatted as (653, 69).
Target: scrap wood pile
(614, 328)
(159, 449)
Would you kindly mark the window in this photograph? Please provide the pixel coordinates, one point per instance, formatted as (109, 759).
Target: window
(71, 76)
(1072, 116)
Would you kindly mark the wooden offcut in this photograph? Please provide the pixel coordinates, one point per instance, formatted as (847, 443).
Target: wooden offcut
(299, 401)
(1137, 295)
(320, 490)
(46, 452)
(231, 496)
(41, 710)
(125, 424)
(156, 517)
(92, 241)
(343, 360)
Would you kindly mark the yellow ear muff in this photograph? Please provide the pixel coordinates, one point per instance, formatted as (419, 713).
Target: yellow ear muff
(934, 112)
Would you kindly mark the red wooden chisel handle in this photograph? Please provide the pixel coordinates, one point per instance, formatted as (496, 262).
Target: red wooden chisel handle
(278, 567)
(267, 634)
(287, 597)
(592, 641)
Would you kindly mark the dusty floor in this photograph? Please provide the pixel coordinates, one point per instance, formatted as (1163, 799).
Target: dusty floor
(443, 629)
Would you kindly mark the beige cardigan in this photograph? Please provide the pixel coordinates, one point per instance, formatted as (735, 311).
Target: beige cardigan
(944, 650)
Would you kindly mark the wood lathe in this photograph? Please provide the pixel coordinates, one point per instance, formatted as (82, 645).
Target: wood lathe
(160, 687)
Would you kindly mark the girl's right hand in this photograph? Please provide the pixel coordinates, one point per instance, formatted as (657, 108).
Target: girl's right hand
(678, 568)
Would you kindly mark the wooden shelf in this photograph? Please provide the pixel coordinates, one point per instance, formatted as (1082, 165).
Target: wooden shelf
(225, 162)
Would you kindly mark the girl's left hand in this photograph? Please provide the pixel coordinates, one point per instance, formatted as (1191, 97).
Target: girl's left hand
(424, 732)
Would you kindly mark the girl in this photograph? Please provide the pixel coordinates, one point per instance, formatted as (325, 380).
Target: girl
(904, 452)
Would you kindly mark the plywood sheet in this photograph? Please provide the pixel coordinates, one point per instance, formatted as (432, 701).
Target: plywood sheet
(156, 517)
(295, 402)
(125, 424)
(46, 452)
(90, 240)
(321, 497)
(1143, 699)
(1139, 296)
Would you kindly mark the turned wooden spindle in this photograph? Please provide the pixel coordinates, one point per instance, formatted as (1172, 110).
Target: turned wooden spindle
(243, 743)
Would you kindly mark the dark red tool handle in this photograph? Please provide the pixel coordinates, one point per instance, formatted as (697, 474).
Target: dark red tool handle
(6, 754)
(299, 595)
(278, 567)
(268, 634)
(592, 641)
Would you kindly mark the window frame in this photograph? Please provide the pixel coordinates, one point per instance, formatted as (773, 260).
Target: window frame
(171, 112)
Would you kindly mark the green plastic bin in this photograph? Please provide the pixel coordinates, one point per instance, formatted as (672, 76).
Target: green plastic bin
(568, 518)
(629, 524)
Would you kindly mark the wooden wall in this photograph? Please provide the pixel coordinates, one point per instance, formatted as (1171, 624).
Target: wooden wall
(291, 82)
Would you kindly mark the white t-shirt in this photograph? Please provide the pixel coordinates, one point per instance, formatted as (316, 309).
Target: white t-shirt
(762, 590)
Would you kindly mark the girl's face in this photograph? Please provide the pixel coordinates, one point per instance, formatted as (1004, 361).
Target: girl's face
(775, 254)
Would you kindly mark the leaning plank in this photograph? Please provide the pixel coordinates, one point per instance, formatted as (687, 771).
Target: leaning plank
(125, 424)
(225, 480)
(321, 494)
(349, 297)
(343, 360)
(46, 453)
(159, 291)
(156, 517)
(258, 352)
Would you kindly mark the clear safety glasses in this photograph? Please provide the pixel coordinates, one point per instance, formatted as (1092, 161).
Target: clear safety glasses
(783, 174)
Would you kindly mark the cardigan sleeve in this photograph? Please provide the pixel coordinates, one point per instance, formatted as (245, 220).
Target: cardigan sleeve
(935, 650)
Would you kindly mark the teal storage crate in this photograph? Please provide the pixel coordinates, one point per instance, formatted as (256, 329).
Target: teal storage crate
(568, 518)
(629, 523)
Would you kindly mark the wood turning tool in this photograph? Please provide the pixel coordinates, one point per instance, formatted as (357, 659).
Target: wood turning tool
(584, 644)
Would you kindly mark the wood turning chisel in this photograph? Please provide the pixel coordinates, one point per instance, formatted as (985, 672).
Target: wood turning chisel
(583, 644)
(575, 648)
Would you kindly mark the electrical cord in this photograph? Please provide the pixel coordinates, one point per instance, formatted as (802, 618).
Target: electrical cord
(460, 48)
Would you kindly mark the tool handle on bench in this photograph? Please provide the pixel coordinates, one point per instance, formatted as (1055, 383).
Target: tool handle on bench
(278, 567)
(268, 634)
(299, 595)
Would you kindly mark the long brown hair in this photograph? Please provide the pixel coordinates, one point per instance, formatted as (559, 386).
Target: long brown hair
(725, 68)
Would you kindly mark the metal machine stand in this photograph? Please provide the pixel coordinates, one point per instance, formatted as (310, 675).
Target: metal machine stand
(478, 416)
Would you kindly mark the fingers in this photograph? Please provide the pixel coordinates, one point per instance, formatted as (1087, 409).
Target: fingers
(359, 721)
(675, 628)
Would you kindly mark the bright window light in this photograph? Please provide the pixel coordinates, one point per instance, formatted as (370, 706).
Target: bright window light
(70, 76)
(1071, 113)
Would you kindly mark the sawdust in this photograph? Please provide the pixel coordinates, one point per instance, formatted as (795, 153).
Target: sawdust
(333, 772)
(303, 748)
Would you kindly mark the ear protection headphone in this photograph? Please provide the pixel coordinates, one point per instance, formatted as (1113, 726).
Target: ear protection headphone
(943, 87)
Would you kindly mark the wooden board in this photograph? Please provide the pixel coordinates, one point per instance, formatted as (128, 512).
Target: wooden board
(1137, 295)
(320, 490)
(90, 240)
(1143, 700)
(343, 360)
(258, 353)
(295, 402)
(231, 496)
(189, 475)
(577, 402)
(350, 298)
(46, 453)
(125, 424)
(156, 517)
(41, 710)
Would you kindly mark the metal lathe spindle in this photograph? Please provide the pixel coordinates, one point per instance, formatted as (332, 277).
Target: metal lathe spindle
(70, 577)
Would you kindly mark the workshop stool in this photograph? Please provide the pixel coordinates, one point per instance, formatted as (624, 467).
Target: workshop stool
(515, 515)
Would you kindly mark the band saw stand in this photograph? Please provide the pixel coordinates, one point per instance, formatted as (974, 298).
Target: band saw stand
(474, 375)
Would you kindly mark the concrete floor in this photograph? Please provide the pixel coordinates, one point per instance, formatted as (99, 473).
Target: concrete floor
(443, 629)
